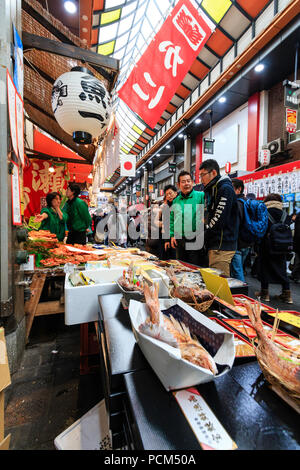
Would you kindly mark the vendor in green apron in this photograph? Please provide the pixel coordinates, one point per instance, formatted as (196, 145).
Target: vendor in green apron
(52, 218)
(79, 219)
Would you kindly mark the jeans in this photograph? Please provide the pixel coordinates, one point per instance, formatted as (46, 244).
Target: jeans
(237, 263)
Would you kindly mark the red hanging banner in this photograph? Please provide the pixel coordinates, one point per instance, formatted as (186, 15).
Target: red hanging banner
(159, 72)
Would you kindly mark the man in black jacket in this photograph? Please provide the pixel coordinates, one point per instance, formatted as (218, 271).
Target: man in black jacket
(221, 216)
(238, 260)
(295, 276)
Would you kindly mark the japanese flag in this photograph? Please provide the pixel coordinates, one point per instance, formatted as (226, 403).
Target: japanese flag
(127, 165)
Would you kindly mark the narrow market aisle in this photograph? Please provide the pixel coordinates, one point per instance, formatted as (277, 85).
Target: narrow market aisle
(47, 393)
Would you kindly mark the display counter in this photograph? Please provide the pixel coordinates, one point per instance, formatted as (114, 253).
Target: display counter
(143, 415)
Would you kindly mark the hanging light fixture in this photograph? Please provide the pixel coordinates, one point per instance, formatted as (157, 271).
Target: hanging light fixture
(81, 105)
(51, 169)
(70, 7)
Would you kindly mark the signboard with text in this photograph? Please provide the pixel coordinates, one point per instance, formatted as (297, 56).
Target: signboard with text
(159, 72)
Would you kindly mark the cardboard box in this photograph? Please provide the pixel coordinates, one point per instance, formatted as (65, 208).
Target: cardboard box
(4, 382)
(173, 371)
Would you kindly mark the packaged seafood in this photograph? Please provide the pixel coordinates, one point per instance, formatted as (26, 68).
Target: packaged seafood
(183, 347)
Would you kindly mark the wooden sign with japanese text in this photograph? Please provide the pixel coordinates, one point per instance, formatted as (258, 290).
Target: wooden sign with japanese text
(159, 72)
(15, 194)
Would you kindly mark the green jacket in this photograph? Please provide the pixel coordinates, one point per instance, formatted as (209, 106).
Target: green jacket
(53, 223)
(79, 218)
(183, 214)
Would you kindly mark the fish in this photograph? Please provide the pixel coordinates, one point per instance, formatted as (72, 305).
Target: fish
(281, 364)
(174, 333)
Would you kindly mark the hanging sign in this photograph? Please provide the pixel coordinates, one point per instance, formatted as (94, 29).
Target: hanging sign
(19, 65)
(150, 188)
(15, 194)
(127, 165)
(264, 157)
(11, 98)
(159, 72)
(20, 126)
(291, 120)
(208, 145)
(291, 93)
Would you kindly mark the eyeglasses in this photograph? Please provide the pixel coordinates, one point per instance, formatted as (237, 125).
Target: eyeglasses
(203, 174)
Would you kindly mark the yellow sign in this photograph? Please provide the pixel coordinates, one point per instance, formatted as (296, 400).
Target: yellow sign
(217, 285)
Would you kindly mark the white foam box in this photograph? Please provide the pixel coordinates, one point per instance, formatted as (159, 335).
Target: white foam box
(174, 372)
(81, 302)
(90, 432)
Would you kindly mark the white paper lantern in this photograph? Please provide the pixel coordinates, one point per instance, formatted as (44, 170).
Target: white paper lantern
(81, 105)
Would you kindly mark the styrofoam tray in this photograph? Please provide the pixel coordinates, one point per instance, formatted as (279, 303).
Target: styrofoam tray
(173, 371)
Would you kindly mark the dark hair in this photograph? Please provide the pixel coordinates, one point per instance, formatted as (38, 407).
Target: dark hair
(210, 165)
(50, 197)
(273, 197)
(183, 173)
(170, 186)
(75, 189)
(238, 184)
(250, 196)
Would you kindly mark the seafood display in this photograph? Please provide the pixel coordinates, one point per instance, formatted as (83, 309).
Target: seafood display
(187, 291)
(280, 366)
(130, 281)
(171, 331)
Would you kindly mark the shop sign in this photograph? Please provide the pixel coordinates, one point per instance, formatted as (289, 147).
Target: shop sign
(208, 145)
(150, 179)
(291, 120)
(16, 198)
(151, 188)
(38, 182)
(159, 72)
(264, 157)
(291, 94)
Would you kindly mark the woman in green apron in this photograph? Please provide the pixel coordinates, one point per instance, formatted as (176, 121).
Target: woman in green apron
(52, 218)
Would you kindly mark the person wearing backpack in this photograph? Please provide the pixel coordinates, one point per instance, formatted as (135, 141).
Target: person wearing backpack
(221, 216)
(274, 249)
(253, 224)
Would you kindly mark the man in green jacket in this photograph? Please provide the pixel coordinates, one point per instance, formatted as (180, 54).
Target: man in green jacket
(186, 221)
(79, 219)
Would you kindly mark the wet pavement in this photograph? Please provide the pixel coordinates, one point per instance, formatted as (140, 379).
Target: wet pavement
(48, 393)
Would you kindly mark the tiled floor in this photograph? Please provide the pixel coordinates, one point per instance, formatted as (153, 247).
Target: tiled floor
(48, 393)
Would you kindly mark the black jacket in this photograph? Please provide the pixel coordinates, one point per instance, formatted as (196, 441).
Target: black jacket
(241, 243)
(221, 215)
(297, 234)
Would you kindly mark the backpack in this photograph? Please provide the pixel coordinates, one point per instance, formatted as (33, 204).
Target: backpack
(280, 237)
(255, 222)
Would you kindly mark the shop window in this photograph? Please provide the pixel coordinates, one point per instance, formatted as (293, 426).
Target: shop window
(296, 136)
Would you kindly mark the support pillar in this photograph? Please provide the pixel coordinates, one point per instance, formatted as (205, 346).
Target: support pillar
(187, 153)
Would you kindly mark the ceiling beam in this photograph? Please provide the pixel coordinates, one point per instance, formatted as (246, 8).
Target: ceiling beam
(68, 50)
(44, 156)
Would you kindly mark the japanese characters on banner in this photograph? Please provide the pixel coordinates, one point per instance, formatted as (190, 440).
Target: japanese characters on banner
(16, 118)
(284, 181)
(127, 165)
(38, 182)
(16, 198)
(159, 72)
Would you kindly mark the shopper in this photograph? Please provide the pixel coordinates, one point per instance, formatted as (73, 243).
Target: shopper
(170, 193)
(79, 220)
(152, 241)
(243, 247)
(295, 276)
(221, 216)
(272, 267)
(51, 217)
(186, 222)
